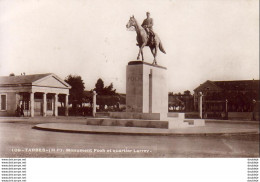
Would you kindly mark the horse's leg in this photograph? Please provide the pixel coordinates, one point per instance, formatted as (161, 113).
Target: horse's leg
(138, 56)
(155, 54)
(152, 48)
(141, 48)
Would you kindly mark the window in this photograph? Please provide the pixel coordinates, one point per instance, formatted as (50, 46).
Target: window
(3, 101)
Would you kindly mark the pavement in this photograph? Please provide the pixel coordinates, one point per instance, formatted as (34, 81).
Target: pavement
(215, 139)
(200, 130)
(48, 119)
(81, 119)
(78, 125)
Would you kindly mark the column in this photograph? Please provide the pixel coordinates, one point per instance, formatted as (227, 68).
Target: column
(44, 104)
(32, 104)
(226, 115)
(66, 105)
(254, 110)
(94, 103)
(17, 98)
(226, 105)
(151, 91)
(55, 105)
(200, 104)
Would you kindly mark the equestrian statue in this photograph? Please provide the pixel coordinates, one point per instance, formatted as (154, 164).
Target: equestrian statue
(146, 36)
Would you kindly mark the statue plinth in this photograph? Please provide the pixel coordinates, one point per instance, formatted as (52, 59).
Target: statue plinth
(147, 100)
(142, 62)
(146, 88)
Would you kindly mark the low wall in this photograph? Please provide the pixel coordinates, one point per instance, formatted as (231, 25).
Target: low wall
(231, 115)
(135, 115)
(127, 122)
(243, 115)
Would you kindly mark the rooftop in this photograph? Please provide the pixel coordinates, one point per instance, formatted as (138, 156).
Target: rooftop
(230, 85)
(21, 79)
(47, 79)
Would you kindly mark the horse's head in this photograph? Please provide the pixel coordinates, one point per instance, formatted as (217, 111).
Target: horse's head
(131, 22)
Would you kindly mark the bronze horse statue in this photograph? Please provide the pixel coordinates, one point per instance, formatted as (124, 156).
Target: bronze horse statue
(144, 40)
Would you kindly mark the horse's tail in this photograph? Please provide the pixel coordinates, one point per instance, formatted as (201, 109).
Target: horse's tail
(161, 48)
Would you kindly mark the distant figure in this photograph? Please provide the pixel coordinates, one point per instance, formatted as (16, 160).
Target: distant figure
(18, 110)
(148, 25)
(22, 108)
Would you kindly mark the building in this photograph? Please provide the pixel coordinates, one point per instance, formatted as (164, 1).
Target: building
(38, 95)
(228, 96)
(180, 102)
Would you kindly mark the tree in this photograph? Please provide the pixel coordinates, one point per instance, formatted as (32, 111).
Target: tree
(170, 93)
(109, 90)
(187, 92)
(76, 91)
(99, 86)
(106, 95)
(101, 90)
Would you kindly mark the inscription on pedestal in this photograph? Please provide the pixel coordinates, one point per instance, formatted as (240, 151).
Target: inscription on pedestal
(135, 78)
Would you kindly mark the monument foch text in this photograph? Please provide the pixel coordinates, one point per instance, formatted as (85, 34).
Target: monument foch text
(135, 78)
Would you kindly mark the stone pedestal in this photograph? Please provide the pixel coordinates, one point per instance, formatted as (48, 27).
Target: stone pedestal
(146, 89)
(146, 101)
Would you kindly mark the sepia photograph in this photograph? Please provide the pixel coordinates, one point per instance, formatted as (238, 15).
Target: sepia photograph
(129, 79)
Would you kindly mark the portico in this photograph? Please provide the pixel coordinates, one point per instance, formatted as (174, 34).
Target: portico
(39, 95)
(41, 103)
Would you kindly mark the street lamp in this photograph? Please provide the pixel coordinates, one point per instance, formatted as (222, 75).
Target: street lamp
(253, 110)
(200, 104)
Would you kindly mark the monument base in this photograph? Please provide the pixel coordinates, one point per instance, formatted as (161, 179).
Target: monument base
(137, 115)
(146, 101)
(146, 120)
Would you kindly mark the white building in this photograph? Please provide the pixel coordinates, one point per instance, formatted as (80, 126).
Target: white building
(39, 95)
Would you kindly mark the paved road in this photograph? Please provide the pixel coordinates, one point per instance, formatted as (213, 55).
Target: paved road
(18, 139)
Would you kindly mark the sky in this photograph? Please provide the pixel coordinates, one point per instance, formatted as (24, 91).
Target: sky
(204, 39)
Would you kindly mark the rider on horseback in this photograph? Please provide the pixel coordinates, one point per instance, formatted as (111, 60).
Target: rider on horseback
(148, 26)
(143, 39)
